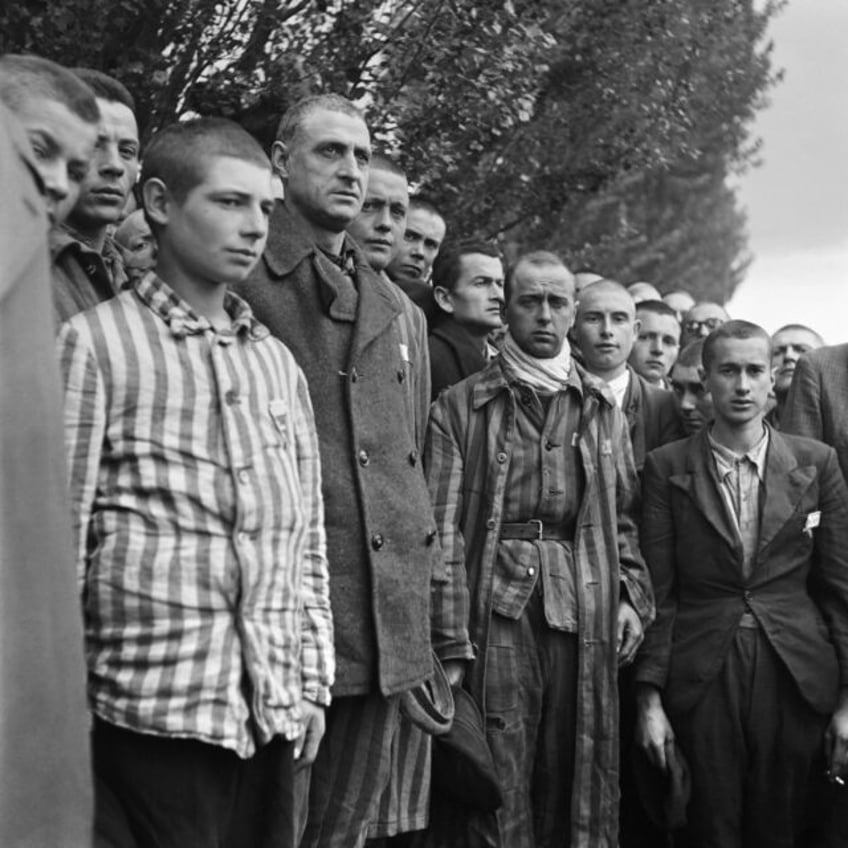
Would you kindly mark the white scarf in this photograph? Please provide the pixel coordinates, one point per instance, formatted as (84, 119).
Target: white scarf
(549, 375)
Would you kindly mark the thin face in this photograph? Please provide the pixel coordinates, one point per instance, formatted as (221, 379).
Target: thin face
(380, 225)
(62, 146)
(605, 328)
(325, 169)
(787, 347)
(137, 245)
(693, 401)
(540, 311)
(112, 172)
(217, 233)
(739, 380)
(477, 299)
(656, 346)
(700, 321)
(419, 248)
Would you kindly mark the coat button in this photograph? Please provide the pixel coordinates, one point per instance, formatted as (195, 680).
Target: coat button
(431, 537)
(353, 375)
(549, 446)
(413, 457)
(490, 524)
(531, 571)
(401, 375)
(243, 475)
(231, 397)
(364, 459)
(501, 457)
(377, 541)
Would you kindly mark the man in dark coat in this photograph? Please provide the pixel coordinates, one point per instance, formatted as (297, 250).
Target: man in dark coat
(362, 346)
(468, 282)
(817, 403)
(745, 531)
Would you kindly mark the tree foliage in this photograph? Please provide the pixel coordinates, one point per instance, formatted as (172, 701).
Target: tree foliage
(604, 129)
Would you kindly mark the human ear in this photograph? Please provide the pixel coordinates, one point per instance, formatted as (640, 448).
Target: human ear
(280, 159)
(157, 200)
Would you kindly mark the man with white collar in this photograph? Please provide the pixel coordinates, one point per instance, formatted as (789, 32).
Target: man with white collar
(532, 478)
(745, 531)
(605, 328)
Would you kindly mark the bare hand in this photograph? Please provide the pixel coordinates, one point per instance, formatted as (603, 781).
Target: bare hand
(653, 731)
(630, 633)
(836, 742)
(454, 671)
(313, 722)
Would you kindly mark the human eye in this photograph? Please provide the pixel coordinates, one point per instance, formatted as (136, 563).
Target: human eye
(398, 212)
(331, 150)
(128, 151)
(363, 157)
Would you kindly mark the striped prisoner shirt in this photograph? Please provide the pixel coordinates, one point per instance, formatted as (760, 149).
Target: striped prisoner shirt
(198, 521)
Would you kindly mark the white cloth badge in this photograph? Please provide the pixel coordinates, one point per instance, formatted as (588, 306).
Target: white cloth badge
(404, 352)
(279, 410)
(813, 521)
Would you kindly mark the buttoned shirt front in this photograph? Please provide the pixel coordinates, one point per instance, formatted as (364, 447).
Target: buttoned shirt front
(740, 477)
(82, 277)
(198, 517)
(544, 482)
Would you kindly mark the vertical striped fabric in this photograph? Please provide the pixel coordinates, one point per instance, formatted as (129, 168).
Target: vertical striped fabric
(470, 442)
(198, 520)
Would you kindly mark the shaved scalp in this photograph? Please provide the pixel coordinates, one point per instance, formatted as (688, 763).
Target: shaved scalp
(605, 285)
(23, 78)
(178, 154)
(658, 307)
(381, 162)
(799, 328)
(691, 355)
(294, 118)
(537, 259)
(732, 330)
(106, 87)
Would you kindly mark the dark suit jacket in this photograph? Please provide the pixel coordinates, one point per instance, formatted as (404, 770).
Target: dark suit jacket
(454, 355)
(817, 404)
(651, 416)
(797, 591)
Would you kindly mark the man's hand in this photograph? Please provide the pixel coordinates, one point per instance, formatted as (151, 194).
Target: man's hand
(314, 724)
(630, 633)
(653, 729)
(836, 740)
(454, 671)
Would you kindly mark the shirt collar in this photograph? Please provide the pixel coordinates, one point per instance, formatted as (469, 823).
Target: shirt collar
(618, 387)
(182, 319)
(726, 458)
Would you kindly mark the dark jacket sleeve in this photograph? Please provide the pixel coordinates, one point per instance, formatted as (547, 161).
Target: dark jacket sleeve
(658, 547)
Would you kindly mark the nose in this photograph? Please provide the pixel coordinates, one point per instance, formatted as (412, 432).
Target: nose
(54, 174)
(416, 249)
(497, 292)
(111, 163)
(350, 167)
(606, 327)
(383, 224)
(544, 314)
(688, 401)
(655, 345)
(255, 223)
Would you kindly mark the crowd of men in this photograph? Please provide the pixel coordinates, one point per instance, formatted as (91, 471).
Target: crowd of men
(360, 535)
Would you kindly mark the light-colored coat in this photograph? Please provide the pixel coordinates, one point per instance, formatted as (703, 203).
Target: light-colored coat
(467, 455)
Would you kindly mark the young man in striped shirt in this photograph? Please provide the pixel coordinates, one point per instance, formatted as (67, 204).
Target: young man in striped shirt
(198, 517)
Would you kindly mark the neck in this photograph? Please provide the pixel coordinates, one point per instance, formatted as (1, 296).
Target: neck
(93, 237)
(207, 299)
(328, 240)
(738, 438)
(609, 374)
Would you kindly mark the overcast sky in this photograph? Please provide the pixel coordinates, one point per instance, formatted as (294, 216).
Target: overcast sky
(797, 201)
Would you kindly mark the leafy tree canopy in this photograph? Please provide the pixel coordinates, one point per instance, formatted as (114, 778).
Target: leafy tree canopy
(605, 130)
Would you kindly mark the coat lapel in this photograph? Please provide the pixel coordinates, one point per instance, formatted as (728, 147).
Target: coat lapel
(700, 482)
(785, 485)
